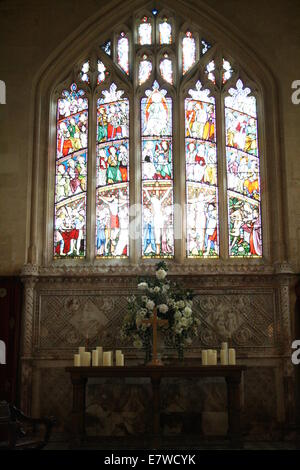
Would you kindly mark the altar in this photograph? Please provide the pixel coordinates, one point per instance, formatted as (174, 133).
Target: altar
(232, 375)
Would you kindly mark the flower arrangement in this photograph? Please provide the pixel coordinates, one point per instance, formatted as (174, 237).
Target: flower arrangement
(173, 303)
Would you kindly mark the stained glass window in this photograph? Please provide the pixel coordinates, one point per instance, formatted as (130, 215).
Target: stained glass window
(201, 174)
(166, 69)
(243, 182)
(112, 196)
(84, 74)
(145, 69)
(145, 32)
(157, 174)
(210, 71)
(106, 47)
(123, 52)
(205, 46)
(188, 51)
(71, 174)
(102, 72)
(165, 32)
(220, 148)
(227, 71)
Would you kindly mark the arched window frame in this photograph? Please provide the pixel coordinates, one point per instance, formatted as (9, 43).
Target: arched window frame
(261, 132)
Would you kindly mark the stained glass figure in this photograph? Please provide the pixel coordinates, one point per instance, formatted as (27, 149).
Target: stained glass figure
(145, 31)
(123, 52)
(157, 172)
(188, 51)
(112, 212)
(84, 74)
(165, 32)
(102, 72)
(243, 179)
(210, 71)
(145, 69)
(201, 174)
(106, 47)
(71, 174)
(227, 71)
(166, 69)
(205, 46)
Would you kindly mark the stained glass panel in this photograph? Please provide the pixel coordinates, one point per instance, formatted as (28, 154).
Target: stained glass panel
(71, 174)
(145, 69)
(84, 73)
(106, 47)
(157, 172)
(145, 32)
(201, 174)
(243, 179)
(188, 51)
(210, 71)
(205, 46)
(165, 32)
(166, 69)
(123, 52)
(227, 71)
(112, 221)
(102, 72)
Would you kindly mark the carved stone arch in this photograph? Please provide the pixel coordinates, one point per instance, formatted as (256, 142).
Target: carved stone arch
(78, 44)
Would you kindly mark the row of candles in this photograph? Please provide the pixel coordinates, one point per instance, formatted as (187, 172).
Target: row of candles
(98, 357)
(227, 356)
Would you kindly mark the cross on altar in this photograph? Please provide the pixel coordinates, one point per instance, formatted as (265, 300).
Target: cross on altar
(155, 322)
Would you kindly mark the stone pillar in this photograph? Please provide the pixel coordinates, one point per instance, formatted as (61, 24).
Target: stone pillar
(29, 279)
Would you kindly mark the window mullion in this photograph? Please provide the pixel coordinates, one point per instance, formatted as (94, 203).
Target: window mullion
(222, 180)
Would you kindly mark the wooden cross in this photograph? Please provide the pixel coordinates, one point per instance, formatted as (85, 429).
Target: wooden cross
(155, 322)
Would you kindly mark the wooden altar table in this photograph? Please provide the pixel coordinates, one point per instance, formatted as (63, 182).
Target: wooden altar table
(231, 374)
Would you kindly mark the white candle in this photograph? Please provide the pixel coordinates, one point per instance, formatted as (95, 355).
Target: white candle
(224, 346)
(118, 354)
(81, 351)
(224, 357)
(95, 358)
(100, 355)
(210, 357)
(76, 360)
(86, 356)
(120, 360)
(107, 358)
(204, 357)
(231, 357)
(214, 357)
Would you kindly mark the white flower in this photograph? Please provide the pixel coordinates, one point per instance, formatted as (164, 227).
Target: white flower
(156, 289)
(180, 304)
(184, 321)
(142, 285)
(187, 311)
(165, 288)
(150, 305)
(161, 274)
(177, 315)
(163, 308)
(171, 302)
(144, 298)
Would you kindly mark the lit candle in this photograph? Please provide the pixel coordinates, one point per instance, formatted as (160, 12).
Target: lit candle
(95, 361)
(107, 358)
(224, 357)
(100, 355)
(231, 357)
(204, 357)
(76, 360)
